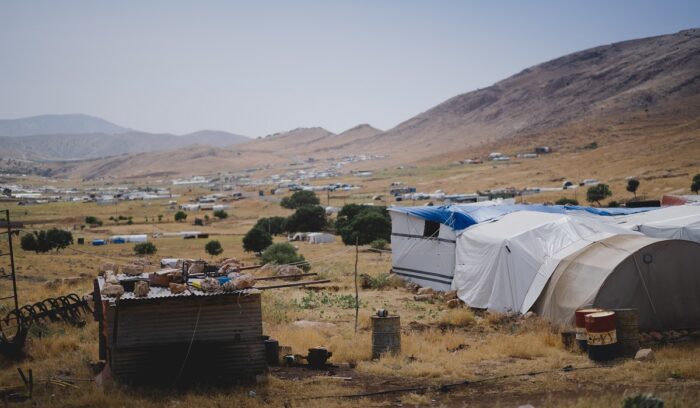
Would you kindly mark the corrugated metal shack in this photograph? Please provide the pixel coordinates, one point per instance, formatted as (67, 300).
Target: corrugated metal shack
(169, 339)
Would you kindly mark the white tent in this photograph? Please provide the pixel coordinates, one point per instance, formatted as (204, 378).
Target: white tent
(498, 263)
(657, 277)
(129, 238)
(320, 238)
(676, 222)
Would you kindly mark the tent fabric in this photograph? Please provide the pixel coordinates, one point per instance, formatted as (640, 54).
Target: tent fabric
(461, 216)
(427, 261)
(320, 237)
(496, 263)
(657, 277)
(677, 222)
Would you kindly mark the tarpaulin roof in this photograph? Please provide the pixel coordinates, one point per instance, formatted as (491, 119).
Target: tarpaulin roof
(460, 217)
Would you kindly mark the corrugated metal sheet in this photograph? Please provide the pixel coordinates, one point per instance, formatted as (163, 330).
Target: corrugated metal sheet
(148, 339)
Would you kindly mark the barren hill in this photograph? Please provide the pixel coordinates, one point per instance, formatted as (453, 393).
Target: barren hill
(646, 90)
(58, 124)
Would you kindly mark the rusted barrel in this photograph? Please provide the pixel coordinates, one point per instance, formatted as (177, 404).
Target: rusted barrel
(627, 331)
(580, 318)
(386, 335)
(602, 336)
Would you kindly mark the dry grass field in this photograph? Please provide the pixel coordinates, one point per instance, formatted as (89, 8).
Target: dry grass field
(440, 346)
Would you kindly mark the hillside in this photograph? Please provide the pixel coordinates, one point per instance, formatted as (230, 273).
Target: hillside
(645, 91)
(58, 124)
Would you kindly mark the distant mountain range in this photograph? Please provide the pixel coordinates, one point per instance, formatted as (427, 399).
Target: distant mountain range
(77, 136)
(644, 93)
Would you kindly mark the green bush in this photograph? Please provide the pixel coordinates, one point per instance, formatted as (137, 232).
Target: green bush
(566, 201)
(220, 214)
(379, 244)
(92, 220)
(145, 248)
(695, 185)
(44, 241)
(632, 186)
(180, 216)
(300, 199)
(256, 240)
(307, 219)
(213, 248)
(363, 224)
(284, 254)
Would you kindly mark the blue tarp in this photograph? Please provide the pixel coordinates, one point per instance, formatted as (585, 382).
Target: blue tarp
(460, 217)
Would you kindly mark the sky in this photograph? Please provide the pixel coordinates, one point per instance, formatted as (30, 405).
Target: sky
(261, 67)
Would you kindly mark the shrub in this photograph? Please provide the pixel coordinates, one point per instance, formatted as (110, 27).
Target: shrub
(307, 219)
(283, 254)
(379, 244)
(92, 220)
(597, 193)
(566, 201)
(180, 216)
(366, 227)
(695, 185)
(220, 214)
(273, 225)
(213, 248)
(300, 199)
(59, 239)
(145, 248)
(29, 242)
(256, 240)
(613, 204)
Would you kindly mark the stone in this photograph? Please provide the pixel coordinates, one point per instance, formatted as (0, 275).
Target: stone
(423, 298)
(141, 289)
(132, 270)
(112, 290)
(454, 303)
(177, 288)
(645, 355)
(425, 291)
(656, 336)
(211, 285)
(450, 294)
(108, 267)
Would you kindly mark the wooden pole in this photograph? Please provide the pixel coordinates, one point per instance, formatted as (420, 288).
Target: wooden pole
(357, 293)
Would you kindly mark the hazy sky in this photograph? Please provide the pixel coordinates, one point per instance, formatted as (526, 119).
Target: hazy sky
(260, 67)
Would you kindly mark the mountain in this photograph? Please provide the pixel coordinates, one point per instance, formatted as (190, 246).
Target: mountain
(653, 76)
(633, 99)
(58, 124)
(215, 138)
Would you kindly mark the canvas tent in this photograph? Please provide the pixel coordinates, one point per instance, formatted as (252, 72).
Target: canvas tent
(676, 222)
(423, 239)
(320, 238)
(657, 277)
(128, 238)
(497, 262)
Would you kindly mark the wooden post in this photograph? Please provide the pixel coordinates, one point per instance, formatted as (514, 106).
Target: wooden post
(357, 295)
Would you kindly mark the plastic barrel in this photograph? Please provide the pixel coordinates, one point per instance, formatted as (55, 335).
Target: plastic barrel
(580, 317)
(386, 335)
(602, 336)
(627, 331)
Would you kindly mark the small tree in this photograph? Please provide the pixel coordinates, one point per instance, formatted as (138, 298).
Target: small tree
(160, 217)
(363, 224)
(256, 240)
(273, 225)
(300, 199)
(284, 254)
(632, 186)
(220, 214)
(145, 248)
(307, 219)
(597, 193)
(695, 185)
(213, 248)
(59, 239)
(378, 244)
(180, 216)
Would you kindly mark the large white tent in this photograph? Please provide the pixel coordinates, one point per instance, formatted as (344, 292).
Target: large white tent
(499, 263)
(676, 222)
